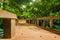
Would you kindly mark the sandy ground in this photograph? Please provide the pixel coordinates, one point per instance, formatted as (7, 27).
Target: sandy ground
(30, 32)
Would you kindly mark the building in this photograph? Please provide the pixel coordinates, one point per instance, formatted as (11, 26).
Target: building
(9, 23)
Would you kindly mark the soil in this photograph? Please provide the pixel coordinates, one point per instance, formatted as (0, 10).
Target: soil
(31, 32)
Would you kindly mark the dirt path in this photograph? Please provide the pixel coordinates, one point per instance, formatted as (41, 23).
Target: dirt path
(30, 32)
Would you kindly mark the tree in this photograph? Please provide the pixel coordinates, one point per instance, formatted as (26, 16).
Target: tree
(39, 8)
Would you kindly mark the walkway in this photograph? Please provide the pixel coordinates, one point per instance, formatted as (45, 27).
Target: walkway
(31, 32)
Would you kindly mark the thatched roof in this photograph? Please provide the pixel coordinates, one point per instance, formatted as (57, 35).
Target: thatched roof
(6, 14)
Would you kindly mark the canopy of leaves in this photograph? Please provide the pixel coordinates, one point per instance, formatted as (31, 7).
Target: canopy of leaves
(26, 9)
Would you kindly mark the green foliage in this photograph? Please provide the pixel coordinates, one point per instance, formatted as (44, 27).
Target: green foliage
(26, 15)
(1, 29)
(27, 9)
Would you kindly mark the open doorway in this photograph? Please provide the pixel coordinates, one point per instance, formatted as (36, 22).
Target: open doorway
(5, 26)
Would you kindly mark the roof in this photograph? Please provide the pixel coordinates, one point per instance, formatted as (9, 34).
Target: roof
(6, 14)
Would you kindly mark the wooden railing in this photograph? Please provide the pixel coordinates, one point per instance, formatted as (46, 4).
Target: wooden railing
(41, 22)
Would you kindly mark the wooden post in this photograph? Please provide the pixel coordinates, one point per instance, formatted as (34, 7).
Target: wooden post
(43, 23)
(29, 21)
(51, 23)
(37, 22)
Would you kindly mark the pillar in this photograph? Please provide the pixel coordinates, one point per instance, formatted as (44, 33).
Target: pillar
(51, 23)
(37, 22)
(13, 26)
(43, 23)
